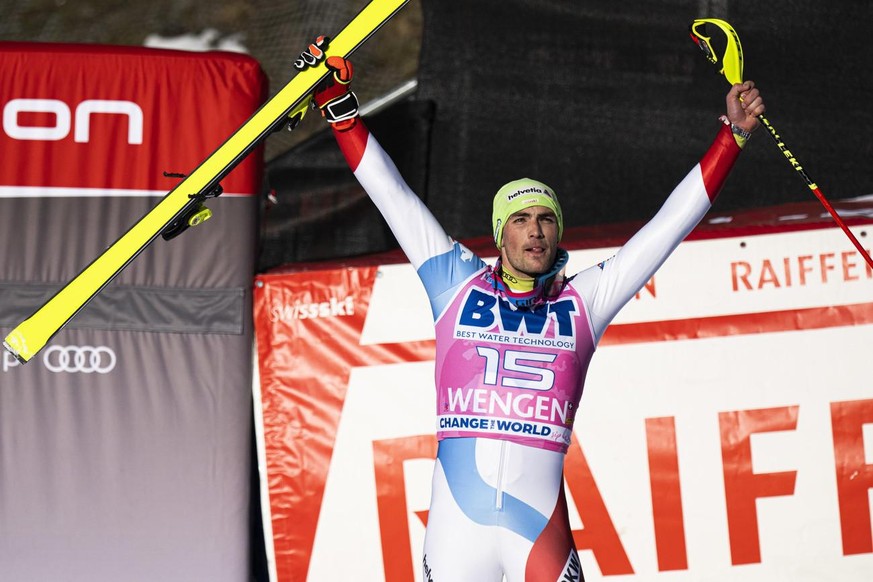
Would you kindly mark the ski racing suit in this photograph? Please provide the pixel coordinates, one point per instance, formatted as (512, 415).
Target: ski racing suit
(509, 380)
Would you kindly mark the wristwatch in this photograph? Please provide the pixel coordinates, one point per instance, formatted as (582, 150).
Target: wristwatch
(737, 130)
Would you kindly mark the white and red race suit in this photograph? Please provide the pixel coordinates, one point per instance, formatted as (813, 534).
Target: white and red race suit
(509, 379)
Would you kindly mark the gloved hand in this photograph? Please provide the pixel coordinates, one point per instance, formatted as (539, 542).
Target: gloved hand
(333, 95)
(312, 55)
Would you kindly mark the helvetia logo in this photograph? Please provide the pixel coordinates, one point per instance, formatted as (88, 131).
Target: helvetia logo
(426, 570)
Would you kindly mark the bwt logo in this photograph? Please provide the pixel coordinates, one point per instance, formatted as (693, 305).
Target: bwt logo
(483, 310)
(64, 119)
(72, 360)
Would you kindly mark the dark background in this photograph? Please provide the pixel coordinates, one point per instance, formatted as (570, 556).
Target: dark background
(609, 103)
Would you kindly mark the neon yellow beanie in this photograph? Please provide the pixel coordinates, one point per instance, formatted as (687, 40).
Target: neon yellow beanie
(518, 195)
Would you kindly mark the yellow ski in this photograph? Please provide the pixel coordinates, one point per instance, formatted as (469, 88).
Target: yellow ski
(183, 206)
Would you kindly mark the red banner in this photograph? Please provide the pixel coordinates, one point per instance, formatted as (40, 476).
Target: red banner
(119, 117)
(682, 450)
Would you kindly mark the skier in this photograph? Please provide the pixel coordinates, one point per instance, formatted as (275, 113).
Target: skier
(513, 341)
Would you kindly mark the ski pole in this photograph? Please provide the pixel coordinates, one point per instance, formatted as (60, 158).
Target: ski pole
(732, 69)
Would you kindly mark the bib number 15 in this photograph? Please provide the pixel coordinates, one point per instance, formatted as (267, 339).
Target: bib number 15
(516, 369)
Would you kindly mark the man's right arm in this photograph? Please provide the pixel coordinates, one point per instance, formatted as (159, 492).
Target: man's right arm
(416, 229)
(441, 264)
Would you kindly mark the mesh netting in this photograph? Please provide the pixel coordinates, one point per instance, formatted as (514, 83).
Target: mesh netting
(608, 103)
(272, 32)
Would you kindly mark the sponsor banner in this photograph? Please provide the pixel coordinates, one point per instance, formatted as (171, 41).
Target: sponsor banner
(755, 274)
(126, 442)
(130, 444)
(707, 446)
(91, 135)
(120, 113)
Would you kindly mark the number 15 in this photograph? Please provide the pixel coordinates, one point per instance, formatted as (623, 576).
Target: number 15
(513, 362)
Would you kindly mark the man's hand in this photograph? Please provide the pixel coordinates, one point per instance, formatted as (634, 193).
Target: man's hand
(336, 85)
(333, 95)
(313, 54)
(744, 105)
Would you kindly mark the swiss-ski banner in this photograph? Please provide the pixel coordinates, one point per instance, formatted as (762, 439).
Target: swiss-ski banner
(125, 444)
(725, 431)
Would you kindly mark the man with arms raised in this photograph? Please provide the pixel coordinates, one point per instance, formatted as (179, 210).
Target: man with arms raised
(513, 343)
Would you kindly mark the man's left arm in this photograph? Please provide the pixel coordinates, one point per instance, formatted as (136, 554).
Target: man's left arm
(618, 279)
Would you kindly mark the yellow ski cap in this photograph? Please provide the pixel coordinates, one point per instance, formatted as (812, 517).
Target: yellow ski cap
(518, 195)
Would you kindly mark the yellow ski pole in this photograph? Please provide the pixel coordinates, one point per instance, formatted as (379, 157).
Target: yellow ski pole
(732, 69)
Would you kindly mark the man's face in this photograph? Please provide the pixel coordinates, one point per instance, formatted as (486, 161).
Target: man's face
(530, 241)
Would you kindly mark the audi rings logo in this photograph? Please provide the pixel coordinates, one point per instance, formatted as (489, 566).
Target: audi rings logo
(84, 359)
